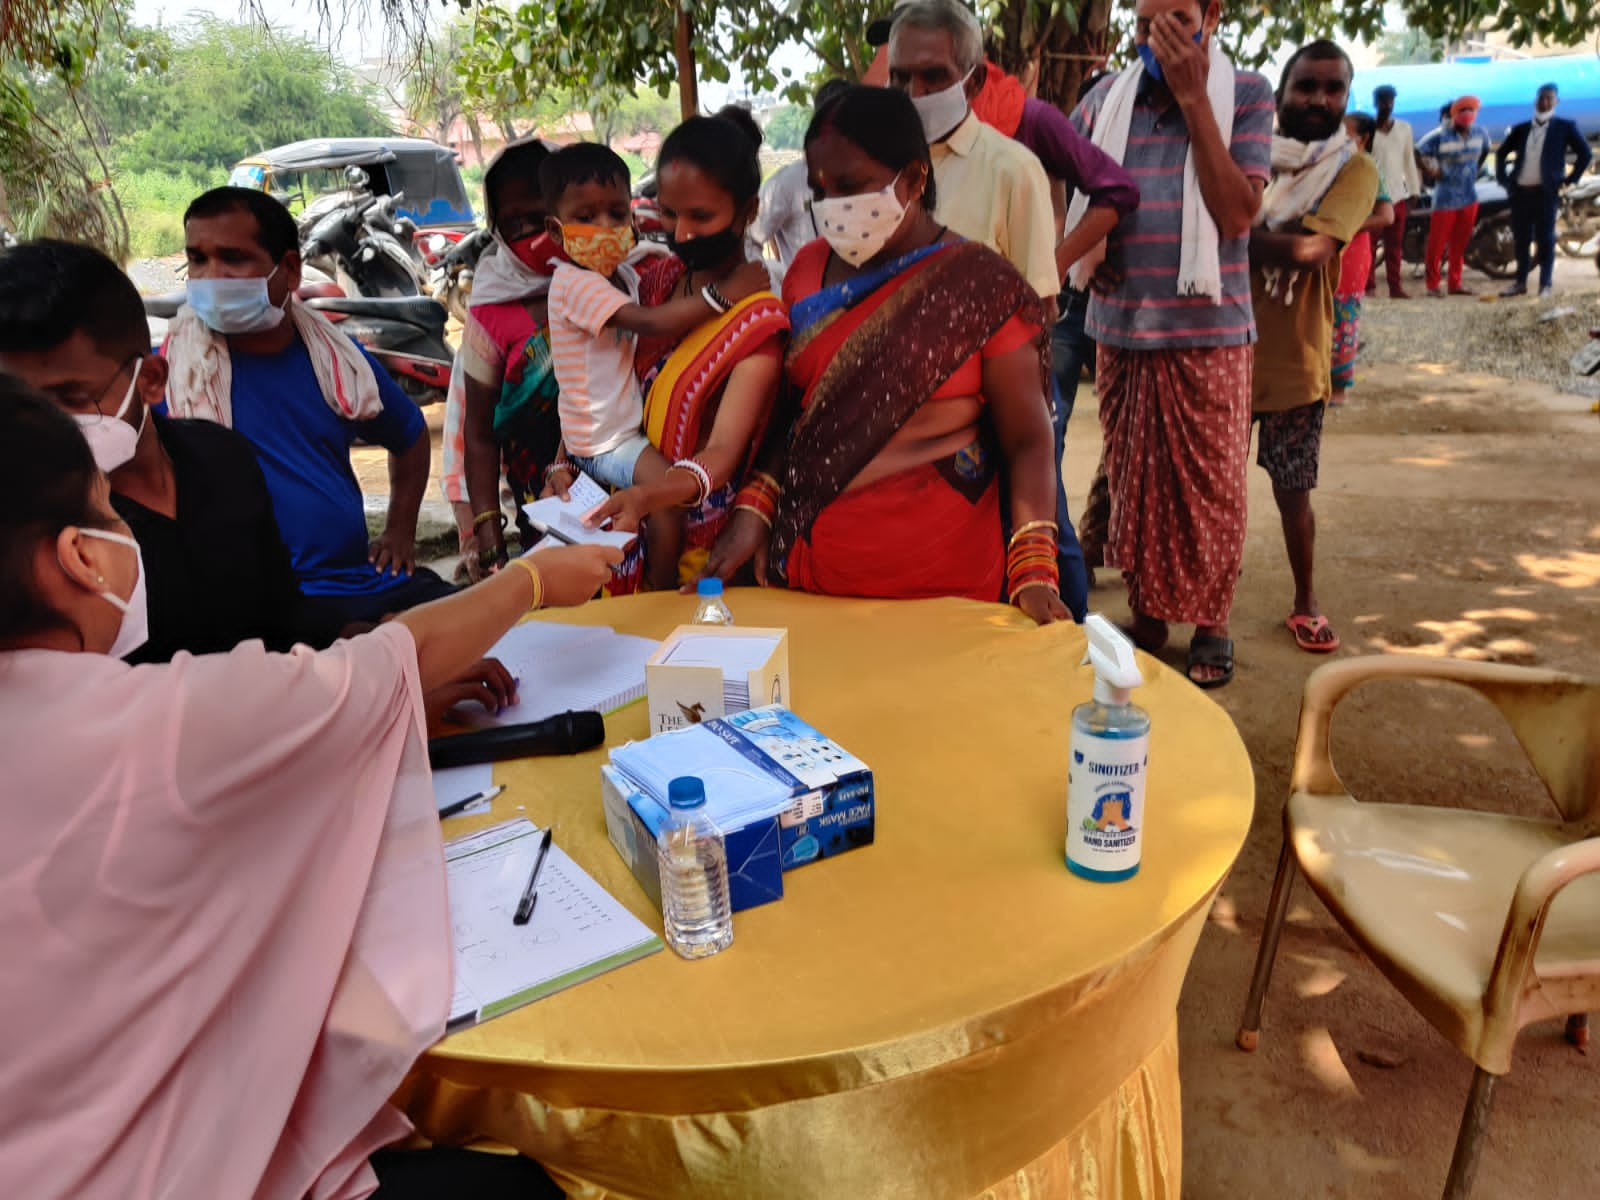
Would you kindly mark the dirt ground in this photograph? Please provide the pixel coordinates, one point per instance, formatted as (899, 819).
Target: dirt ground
(1459, 514)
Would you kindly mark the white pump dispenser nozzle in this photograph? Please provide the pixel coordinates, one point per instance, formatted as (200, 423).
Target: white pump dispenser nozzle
(1116, 670)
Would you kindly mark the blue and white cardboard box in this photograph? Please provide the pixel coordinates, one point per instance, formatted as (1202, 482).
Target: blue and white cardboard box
(835, 807)
(634, 822)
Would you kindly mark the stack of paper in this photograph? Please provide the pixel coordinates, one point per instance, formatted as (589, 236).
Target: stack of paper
(736, 656)
(738, 791)
(576, 668)
(563, 519)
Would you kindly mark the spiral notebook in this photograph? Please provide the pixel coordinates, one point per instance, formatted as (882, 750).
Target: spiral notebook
(563, 519)
(570, 668)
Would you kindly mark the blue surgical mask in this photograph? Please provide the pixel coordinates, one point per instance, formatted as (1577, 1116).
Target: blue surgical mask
(235, 305)
(1152, 65)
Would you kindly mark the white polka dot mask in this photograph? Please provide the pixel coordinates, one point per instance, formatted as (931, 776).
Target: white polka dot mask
(859, 226)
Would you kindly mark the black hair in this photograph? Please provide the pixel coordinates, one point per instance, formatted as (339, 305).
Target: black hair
(519, 160)
(884, 124)
(1444, 110)
(1549, 87)
(47, 477)
(1383, 91)
(829, 92)
(50, 290)
(1366, 124)
(1321, 50)
(275, 228)
(581, 162)
(723, 146)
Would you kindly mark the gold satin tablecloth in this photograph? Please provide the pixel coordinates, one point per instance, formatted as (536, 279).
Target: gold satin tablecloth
(946, 1013)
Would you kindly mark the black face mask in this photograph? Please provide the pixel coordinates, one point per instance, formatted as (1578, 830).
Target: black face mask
(702, 253)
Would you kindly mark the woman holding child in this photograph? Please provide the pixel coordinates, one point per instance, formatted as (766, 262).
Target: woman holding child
(708, 395)
(919, 360)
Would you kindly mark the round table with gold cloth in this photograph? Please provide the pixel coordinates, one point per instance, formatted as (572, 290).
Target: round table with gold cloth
(945, 1013)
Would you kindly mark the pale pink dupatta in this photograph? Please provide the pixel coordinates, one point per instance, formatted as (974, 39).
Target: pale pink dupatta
(223, 918)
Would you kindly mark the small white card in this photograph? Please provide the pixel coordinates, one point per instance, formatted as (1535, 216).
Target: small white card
(563, 519)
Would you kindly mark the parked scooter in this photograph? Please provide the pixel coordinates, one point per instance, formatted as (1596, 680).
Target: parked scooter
(405, 334)
(353, 244)
(1578, 219)
(1493, 248)
(451, 259)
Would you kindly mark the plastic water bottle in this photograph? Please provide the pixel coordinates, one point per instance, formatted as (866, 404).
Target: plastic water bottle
(712, 609)
(694, 874)
(1109, 754)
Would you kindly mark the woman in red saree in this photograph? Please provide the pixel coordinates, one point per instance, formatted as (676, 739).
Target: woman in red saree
(708, 397)
(919, 364)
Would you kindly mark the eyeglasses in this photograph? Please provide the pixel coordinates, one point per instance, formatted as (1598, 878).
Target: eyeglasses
(93, 412)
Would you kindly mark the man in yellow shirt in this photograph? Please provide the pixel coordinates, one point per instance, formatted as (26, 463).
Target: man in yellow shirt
(1323, 188)
(992, 189)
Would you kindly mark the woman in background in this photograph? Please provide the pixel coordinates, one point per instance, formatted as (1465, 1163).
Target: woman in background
(1355, 269)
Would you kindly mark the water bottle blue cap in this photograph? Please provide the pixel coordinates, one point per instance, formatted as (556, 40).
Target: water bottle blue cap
(709, 587)
(686, 792)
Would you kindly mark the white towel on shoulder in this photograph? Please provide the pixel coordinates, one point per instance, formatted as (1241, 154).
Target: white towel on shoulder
(1302, 174)
(1200, 257)
(200, 378)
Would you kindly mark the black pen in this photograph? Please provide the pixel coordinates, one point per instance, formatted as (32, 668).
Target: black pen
(450, 810)
(530, 894)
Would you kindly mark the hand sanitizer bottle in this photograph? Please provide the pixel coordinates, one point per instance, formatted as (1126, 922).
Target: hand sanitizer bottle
(712, 608)
(1109, 752)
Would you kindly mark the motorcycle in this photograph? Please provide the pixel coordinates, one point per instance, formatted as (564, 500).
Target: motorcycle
(451, 259)
(1493, 248)
(1578, 220)
(357, 244)
(405, 334)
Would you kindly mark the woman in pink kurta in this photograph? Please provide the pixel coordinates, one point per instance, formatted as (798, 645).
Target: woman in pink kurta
(222, 905)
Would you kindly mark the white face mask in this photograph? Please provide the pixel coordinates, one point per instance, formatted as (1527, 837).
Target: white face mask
(111, 439)
(858, 227)
(942, 111)
(135, 629)
(235, 305)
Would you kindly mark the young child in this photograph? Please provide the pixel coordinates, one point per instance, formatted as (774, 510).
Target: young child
(1355, 268)
(596, 320)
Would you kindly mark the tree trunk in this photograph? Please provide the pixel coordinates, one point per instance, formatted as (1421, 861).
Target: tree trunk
(683, 48)
(475, 131)
(1048, 52)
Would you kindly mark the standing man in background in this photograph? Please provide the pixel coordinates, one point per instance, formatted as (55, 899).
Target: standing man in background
(1394, 149)
(1453, 154)
(1172, 314)
(1532, 166)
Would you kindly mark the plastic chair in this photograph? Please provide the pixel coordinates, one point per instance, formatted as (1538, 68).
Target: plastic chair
(1485, 922)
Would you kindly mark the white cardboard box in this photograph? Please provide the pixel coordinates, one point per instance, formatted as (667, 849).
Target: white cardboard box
(683, 694)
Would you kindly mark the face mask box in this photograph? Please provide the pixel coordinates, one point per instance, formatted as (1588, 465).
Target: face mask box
(702, 672)
(835, 806)
(634, 823)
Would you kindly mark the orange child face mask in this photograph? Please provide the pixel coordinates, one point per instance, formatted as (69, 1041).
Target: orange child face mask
(599, 248)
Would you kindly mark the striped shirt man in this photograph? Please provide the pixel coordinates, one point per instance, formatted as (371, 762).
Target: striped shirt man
(1145, 312)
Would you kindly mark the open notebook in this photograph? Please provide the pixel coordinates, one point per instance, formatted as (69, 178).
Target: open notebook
(563, 519)
(569, 668)
(578, 930)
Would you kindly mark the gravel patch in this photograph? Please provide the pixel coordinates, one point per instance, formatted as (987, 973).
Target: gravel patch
(1520, 339)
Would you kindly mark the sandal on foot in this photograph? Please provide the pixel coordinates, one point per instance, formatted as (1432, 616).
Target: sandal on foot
(1312, 634)
(1208, 650)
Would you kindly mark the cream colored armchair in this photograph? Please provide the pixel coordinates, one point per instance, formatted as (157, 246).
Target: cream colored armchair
(1485, 922)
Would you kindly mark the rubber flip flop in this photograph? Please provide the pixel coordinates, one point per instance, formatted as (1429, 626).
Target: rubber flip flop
(1208, 650)
(1306, 630)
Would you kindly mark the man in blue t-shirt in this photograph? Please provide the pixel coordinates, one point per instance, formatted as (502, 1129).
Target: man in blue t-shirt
(301, 437)
(1451, 157)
